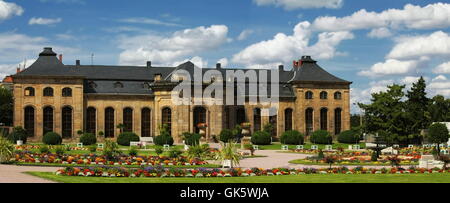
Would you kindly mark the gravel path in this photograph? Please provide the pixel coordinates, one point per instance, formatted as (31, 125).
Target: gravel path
(14, 174)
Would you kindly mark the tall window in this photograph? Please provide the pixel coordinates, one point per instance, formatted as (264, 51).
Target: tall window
(309, 120)
(128, 119)
(324, 119)
(240, 116)
(67, 92)
(257, 119)
(199, 117)
(109, 122)
(288, 119)
(337, 121)
(146, 122)
(29, 91)
(48, 92)
(29, 120)
(167, 118)
(91, 120)
(338, 95)
(273, 121)
(309, 95)
(323, 95)
(66, 122)
(48, 119)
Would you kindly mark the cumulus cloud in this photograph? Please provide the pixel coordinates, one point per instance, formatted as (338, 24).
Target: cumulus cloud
(44, 21)
(413, 17)
(245, 34)
(223, 62)
(7, 10)
(196, 60)
(435, 44)
(285, 48)
(10, 69)
(442, 68)
(301, 4)
(163, 50)
(380, 33)
(149, 21)
(440, 85)
(390, 67)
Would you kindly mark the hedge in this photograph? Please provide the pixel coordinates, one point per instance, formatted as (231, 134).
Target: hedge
(349, 137)
(125, 138)
(52, 138)
(321, 137)
(261, 138)
(292, 137)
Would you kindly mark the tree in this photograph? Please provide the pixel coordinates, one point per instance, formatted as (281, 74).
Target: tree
(439, 109)
(416, 107)
(438, 134)
(6, 106)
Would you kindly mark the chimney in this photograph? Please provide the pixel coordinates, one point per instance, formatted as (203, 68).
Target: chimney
(60, 58)
(149, 64)
(77, 63)
(18, 70)
(281, 68)
(295, 64)
(218, 65)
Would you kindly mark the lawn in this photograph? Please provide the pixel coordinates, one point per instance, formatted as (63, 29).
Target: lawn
(312, 178)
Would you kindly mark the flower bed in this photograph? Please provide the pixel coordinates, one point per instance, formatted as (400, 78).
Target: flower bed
(93, 159)
(235, 172)
(37, 147)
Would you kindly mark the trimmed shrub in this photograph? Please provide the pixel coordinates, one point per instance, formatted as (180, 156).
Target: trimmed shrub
(18, 133)
(191, 139)
(261, 138)
(52, 138)
(321, 137)
(163, 139)
(44, 149)
(292, 137)
(88, 139)
(348, 137)
(125, 138)
(133, 151)
(226, 135)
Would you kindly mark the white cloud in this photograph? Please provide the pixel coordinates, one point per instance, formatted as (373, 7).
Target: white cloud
(440, 85)
(245, 34)
(413, 17)
(163, 50)
(301, 4)
(379, 33)
(10, 69)
(149, 21)
(442, 69)
(285, 48)
(8, 10)
(196, 60)
(435, 44)
(223, 62)
(390, 67)
(44, 21)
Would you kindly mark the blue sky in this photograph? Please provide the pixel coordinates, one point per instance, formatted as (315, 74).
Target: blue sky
(393, 42)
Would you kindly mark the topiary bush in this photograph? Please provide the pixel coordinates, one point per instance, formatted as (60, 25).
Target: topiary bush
(191, 139)
(261, 138)
(18, 133)
(125, 138)
(52, 138)
(163, 139)
(348, 137)
(321, 137)
(88, 139)
(226, 135)
(292, 137)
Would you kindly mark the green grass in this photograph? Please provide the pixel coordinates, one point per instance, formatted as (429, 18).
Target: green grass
(313, 178)
(277, 146)
(303, 162)
(125, 166)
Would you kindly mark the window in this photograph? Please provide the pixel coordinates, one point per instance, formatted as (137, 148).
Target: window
(48, 92)
(92, 84)
(67, 92)
(309, 120)
(199, 117)
(240, 116)
(29, 91)
(48, 119)
(91, 120)
(66, 122)
(167, 119)
(146, 122)
(323, 95)
(273, 121)
(29, 120)
(338, 95)
(257, 119)
(118, 85)
(128, 119)
(146, 85)
(309, 95)
(109, 122)
(288, 119)
(337, 121)
(324, 119)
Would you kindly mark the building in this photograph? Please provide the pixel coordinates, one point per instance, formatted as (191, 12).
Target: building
(51, 96)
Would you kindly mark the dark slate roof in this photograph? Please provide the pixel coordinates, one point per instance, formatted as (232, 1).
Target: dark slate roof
(112, 87)
(309, 71)
(120, 72)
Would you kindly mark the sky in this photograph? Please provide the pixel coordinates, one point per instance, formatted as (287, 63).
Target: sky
(371, 43)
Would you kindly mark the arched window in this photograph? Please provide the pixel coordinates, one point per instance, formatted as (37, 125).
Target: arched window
(66, 92)
(109, 122)
(323, 95)
(66, 121)
(240, 116)
(48, 119)
(338, 95)
(257, 119)
(199, 117)
(146, 123)
(29, 91)
(324, 119)
(309, 95)
(288, 119)
(337, 121)
(91, 120)
(48, 92)
(274, 121)
(166, 118)
(309, 120)
(29, 120)
(128, 119)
